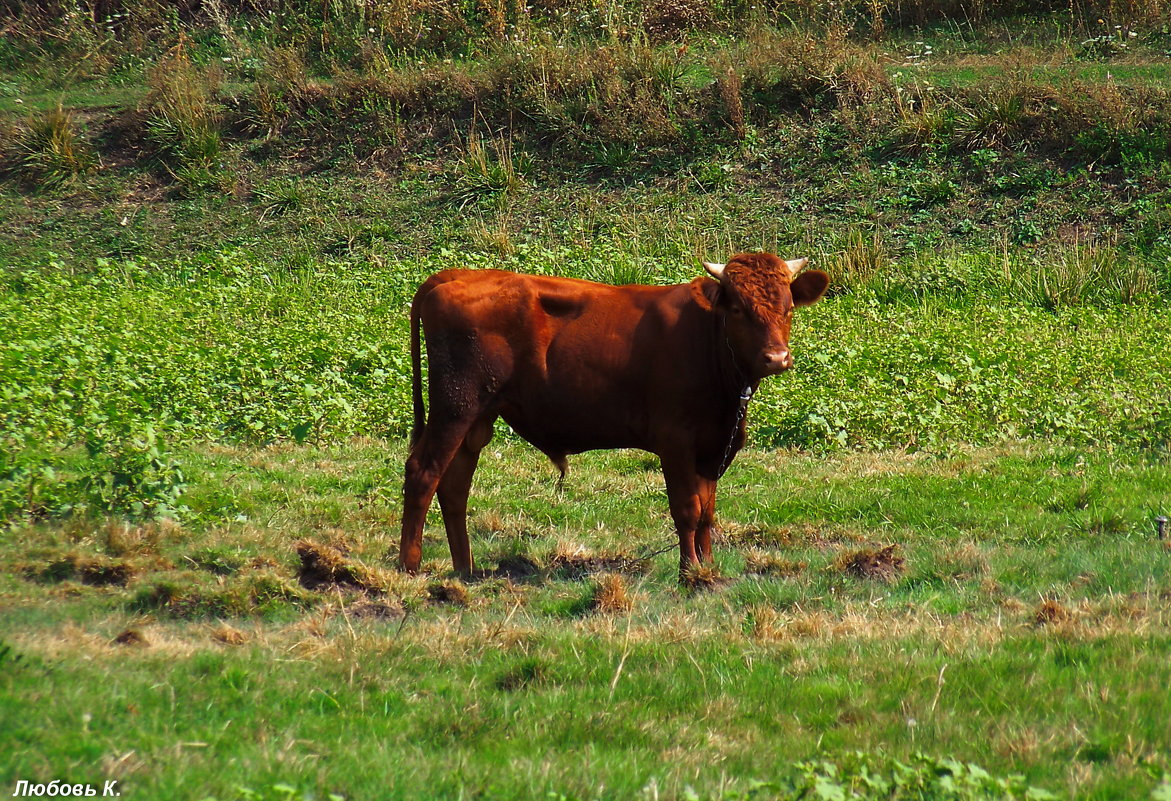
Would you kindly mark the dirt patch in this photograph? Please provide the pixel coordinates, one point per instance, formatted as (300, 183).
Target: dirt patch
(517, 567)
(578, 566)
(105, 572)
(130, 637)
(324, 567)
(449, 592)
(530, 672)
(375, 610)
(884, 563)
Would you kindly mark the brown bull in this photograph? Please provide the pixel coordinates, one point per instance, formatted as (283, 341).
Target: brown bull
(575, 366)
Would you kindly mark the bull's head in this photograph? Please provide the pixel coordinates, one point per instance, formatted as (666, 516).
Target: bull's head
(756, 296)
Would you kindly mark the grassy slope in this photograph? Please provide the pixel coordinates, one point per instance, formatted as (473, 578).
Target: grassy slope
(714, 688)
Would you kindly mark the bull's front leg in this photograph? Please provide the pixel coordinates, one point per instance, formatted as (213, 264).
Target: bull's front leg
(685, 498)
(707, 519)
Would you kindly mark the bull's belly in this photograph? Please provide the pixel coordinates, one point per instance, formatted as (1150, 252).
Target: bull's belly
(564, 428)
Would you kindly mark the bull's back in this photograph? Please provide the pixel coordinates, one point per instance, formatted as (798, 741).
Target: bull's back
(558, 323)
(571, 362)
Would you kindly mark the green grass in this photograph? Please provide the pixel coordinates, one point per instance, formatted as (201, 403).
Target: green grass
(226, 349)
(525, 692)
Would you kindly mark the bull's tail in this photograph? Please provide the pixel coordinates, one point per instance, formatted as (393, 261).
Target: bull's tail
(416, 366)
(417, 350)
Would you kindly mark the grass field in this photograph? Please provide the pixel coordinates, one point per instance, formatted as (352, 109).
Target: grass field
(938, 576)
(1021, 623)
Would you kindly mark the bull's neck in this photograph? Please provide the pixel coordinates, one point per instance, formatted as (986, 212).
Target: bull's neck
(732, 379)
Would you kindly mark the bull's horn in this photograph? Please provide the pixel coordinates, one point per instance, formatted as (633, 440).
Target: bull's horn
(716, 270)
(795, 264)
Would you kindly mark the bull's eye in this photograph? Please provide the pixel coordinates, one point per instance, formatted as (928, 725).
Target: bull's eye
(736, 311)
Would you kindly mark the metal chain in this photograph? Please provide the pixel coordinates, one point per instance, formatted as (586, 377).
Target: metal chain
(745, 396)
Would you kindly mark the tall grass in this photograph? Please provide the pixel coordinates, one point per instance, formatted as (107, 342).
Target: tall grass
(1083, 273)
(183, 117)
(47, 150)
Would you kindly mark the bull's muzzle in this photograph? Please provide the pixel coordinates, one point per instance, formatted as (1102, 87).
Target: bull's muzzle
(777, 360)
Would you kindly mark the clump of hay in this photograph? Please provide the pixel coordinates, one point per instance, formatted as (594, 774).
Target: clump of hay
(1051, 612)
(611, 595)
(763, 563)
(884, 563)
(449, 592)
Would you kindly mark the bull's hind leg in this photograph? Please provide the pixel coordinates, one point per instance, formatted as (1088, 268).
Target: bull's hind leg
(426, 466)
(453, 492)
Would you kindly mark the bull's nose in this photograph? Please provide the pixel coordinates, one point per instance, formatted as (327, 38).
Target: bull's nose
(778, 360)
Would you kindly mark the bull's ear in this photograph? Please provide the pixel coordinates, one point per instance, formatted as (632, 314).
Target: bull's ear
(705, 291)
(808, 287)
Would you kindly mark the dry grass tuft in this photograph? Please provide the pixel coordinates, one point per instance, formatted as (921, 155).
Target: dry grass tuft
(1051, 612)
(884, 563)
(183, 117)
(611, 594)
(120, 538)
(453, 592)
(702, 577)
(47, 149)
(228, 635)
(667, 20)
(763, 563)
(862, 258)
(376, 610)
(730, 90)
(964, 562)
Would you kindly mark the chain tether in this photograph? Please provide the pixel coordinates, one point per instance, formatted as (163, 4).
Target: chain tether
(745, 396)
